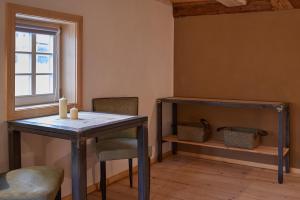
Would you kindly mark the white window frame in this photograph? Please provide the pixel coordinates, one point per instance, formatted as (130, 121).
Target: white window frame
(36, 99)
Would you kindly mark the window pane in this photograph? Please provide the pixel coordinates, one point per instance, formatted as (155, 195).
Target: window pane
(44, 63)
(44, 43)
(44, 84)
(22, 85)
(22, 63)
(23, 41)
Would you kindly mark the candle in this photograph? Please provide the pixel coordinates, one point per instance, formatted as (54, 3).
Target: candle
(74, 113)
(63, 108)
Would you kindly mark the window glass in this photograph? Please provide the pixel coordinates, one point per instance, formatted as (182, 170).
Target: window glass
(44, 43)
(23, 41)
(35, 63)
(44, 84)
(44, 63)
(23, 85)
(23, 63)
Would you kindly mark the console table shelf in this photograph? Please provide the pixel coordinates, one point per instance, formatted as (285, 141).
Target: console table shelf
(264, 150)
(282, 151)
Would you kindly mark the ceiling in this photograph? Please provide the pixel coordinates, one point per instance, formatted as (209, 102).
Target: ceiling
(182, 8)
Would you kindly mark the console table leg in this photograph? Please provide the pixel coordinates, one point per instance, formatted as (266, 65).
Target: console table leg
(287, 140)
(280, 146)
(174, 126)
(159, 130)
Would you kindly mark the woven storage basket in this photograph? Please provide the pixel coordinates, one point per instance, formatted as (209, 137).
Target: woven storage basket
(195, 132)
(247, 138)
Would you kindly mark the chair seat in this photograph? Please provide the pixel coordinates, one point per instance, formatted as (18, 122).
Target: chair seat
(118, 148)
(33, 183)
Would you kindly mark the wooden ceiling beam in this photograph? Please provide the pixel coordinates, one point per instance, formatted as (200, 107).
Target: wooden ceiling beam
(281, 4)
(233, 3)
(214, 8)
(295, 3)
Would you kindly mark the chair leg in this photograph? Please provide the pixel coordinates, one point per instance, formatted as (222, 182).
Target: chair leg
(103, 179)
(130, 172)
(58, 195)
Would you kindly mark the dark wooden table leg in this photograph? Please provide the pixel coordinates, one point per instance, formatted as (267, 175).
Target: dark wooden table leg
(79, 178)
(14, 145)
(143, 166)
(174, 126)
(287, 140)
(159, 130)
(280, 145)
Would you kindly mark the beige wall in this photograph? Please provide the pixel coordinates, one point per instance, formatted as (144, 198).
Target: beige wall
(127, 52)
(253, 56)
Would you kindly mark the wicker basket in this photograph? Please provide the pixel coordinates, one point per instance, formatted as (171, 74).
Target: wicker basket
(195, 132)
(247, 138)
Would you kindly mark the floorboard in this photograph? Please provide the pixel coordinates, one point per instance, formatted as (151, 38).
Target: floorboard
(187, 178)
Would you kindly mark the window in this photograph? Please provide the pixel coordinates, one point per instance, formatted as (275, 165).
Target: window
(36, 65)
(43, 51)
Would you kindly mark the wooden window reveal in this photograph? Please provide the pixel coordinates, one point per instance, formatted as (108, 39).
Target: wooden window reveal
(35, 109)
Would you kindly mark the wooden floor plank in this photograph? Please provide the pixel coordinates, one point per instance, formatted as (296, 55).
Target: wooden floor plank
(187, 178)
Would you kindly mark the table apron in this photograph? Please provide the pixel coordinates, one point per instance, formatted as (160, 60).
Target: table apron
(52, 134)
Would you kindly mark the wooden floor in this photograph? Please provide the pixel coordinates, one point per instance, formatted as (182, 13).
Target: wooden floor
(186, 178)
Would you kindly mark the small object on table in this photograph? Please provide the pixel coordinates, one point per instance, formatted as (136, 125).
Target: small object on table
(74, 113)
(63, 108)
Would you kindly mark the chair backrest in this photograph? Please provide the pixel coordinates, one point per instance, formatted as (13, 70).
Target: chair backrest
(117, 105)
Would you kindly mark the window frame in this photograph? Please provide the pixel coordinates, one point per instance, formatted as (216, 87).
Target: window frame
(12, 10)
(36, 99)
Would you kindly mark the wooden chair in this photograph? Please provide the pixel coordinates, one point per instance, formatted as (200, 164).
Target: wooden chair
(32, 183)
(122, 145)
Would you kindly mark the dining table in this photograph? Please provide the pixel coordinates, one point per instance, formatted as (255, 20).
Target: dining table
(88, 126)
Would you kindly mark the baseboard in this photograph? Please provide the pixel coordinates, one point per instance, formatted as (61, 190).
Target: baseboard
(115, 178)
(235, 161)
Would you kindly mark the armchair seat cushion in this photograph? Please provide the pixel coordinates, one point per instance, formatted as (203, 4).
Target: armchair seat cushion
(33, 183)
(118, 148)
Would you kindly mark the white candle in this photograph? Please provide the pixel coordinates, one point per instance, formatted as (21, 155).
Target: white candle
(63, 108)
(74, 113)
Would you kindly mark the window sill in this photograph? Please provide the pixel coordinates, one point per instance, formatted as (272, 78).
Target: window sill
(20, 108)
(37, 111)
(33, 111)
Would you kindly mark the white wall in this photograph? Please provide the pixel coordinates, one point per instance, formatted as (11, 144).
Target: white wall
(128, 51)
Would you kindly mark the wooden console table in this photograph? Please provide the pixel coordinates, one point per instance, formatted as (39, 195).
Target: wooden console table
(282, 151)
